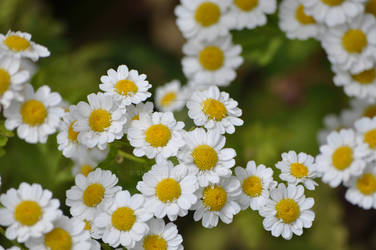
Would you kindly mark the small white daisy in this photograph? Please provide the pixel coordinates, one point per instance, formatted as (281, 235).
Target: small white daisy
(124, 223)
(342, 157)
(156, 135)
(37, 116)
(170, 97)
(133, 112)
(287, 211)
(366, 128)
(211, 63)
(255, 184)
(362, 108)
(99, 122)
(168, 190)
(218, 201)
(19, 44)
(28, 212)
(88, 161)
(214, 110)
(92, 194)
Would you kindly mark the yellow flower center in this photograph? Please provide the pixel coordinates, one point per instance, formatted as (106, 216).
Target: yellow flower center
(205, 157)
(370, 111)
(287, 210)
(342, 157)
(4, 81)
(155, 242)
(86, 169)
(87, 225)
(58, 239)
(168, 99)
(298, 170)
(168, 190)
(158, 135)
(16, 43)
(366, 184)
(246, 5)
(211, 58)
(370, 138)
(28, 213)
(136, 117)
(214, 109)
(332, 2)
(371, 7)
(33, 112)
(207, 14)
(365, 77)
(126, 87)
(214, 197)
(302, 17)
(93, 195)
(99, 120)
(252, 186)
(123, 218)
(72, 135)
(354, 41)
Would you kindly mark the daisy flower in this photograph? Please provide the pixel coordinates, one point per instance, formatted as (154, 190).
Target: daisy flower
(28, 212)
(88, 161)
(125, 86)
(287, 211)
(366, 128)
(133, 112)
(205, 157)
(255, 184)
(19, 44)
(124, 223)
(296, 23)
(37, 116)
(362, 108)
(342, 157)
(298, 168)
(214, 110)
(170, 97)
(156, 135)
(161, 236)
(352, 46)
(168, 190)
(92, 194)
(99, 122)
(66, 234)
(204, 19)
(211, 63)
(218, 201)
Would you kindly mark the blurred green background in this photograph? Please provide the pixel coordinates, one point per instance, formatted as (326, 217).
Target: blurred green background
(284, 89)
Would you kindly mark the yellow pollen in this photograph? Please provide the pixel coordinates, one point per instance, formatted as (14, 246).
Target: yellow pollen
(365, 77)
(28, 213)
(214, 197)
(136, 117)
(16, 43)
(4, 81)
(370, 111)
(287, 210)
(155, 242)
(86, 169)
(168, 190)
(158, 135)
(211, 58)
(168, 99)
(332, 2)
(342, 157)
(207, 14)
(354, 41)
(72, 135)
(252, 186)
(99, 120)
(87, 225)
(371, 7)
(123, 218)
(126, 87)
(93, 195)
(366, 184)
(370, 138)
(298, 170)
(33, 112)
(246, 5)
(302, 17)
(205, 157)
(58, 239)
(214, 109)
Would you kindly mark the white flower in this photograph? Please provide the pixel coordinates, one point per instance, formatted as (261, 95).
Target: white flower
(99, 122)
(287, 211)
(161, 236)
(66, 234)
(362, 189)
(352, 46)
(296, 23)
(366, 128)
(255, 184)
(334, 12)
(214, 110)
(211, 63)
(125, 86)
(204, 19)
(170, 97)
(19, 44)
(341, 158)
(134, 111)
(362, 108)
(88, 161)
(37, 116)
(205, 157)
(218, 201)
(28, 212)
(298, 168)
(124, 223)
(168, 190)
(156, 135)
(92, 194)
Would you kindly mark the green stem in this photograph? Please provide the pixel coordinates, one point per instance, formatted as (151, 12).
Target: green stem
(130, 157)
